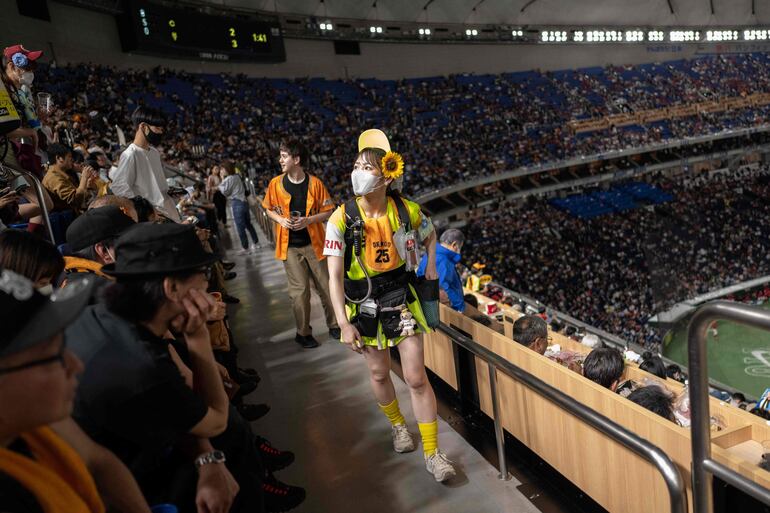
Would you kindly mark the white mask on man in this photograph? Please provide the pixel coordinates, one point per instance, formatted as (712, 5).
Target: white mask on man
(363, 182)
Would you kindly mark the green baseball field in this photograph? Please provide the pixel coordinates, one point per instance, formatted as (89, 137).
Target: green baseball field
(738, 356)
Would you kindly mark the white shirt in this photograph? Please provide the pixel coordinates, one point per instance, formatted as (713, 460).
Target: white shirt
(140, 173)
(232, 187)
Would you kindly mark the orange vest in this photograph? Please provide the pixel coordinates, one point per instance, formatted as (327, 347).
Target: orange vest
(57, 477)
(318, 201)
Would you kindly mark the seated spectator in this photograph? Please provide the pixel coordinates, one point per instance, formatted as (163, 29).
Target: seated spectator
(604, 365)
(124, 204)
(447, 257)
(68, 191)
(46, 462)
(653, 365)
(674, 372)
(142, 408)
(140, 170)
(91, 239)
(18, 201)
(32, 257)
(531, 331)
(145, 212)
(655, 399)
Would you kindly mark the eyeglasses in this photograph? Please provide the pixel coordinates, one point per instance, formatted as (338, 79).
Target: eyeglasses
(58, 357)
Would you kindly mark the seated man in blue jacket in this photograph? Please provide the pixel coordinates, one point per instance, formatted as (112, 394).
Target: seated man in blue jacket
(447, 257)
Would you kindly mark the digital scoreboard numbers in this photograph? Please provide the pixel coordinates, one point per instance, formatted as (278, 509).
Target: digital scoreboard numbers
(146, 27)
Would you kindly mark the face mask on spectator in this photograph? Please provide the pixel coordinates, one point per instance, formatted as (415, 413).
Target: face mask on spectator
(364, 183)
(26, 78)
(154, 138)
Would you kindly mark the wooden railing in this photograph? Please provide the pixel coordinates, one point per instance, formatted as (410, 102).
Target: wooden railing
(609, 472)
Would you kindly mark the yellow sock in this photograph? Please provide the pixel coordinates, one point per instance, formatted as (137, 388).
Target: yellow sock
(429, 434)
(393, 412)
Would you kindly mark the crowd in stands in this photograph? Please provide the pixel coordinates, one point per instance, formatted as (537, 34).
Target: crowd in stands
(617, 270)
(120, 383)
(452, 128)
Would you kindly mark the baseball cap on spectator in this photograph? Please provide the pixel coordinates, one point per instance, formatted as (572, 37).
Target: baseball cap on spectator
(149, 249)
(97, 225)
(20, 56)
(29, 317)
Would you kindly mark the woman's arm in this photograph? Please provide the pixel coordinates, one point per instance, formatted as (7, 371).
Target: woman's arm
(350, 334)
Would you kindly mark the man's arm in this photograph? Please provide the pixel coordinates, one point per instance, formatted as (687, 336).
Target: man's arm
(124, 176)
(114, 481)
(283, 221)
(450, 283)
(217, 487)
(207, 382)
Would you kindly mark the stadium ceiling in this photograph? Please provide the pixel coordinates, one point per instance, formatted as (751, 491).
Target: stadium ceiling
(666, 13)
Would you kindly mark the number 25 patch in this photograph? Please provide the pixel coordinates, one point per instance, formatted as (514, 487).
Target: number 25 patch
(381, 255)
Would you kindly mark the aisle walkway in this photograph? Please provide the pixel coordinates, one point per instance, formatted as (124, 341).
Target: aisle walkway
(323, 410)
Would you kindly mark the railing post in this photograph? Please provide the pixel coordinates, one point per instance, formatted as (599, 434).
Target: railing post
(499, 435)
(703, 467)
(700, 436)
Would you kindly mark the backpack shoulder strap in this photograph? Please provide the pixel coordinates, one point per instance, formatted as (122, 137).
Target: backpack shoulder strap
(403, 212)
(351, 214)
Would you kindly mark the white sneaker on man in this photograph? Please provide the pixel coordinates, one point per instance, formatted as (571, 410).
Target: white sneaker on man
(440, 466)
(254, 247)
(242, 252)
(402, 438)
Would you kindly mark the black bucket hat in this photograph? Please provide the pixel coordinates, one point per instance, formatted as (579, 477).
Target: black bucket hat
(149, 249)
(29, 317)
(97, 225)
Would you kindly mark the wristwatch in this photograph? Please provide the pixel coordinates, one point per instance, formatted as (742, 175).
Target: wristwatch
(209, 457)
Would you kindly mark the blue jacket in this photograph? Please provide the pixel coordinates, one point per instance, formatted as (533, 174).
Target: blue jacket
(448, 279)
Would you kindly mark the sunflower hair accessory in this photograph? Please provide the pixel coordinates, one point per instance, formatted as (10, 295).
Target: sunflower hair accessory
(392, 165)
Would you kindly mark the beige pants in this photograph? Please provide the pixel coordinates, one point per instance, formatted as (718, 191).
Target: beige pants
(301, 266)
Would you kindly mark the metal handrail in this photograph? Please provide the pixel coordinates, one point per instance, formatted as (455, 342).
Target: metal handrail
(40, 196)
(702, 464)
(181, 174)
(633, 442)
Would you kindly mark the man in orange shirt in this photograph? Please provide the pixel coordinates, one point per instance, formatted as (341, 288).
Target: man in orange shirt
(300, 205)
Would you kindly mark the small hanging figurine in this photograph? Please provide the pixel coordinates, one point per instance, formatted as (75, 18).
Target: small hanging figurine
(407, 324)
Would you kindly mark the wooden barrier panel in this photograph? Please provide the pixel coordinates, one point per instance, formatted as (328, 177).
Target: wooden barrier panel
(612, 475)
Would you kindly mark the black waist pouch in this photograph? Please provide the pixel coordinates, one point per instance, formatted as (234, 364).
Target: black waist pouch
(365, 324)
(391, 305)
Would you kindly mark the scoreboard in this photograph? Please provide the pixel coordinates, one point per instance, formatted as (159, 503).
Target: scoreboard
(147, 27)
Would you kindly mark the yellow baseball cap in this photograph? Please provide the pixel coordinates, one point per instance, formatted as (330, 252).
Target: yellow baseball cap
(373, 138)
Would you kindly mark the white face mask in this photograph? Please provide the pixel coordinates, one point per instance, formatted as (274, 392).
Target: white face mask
(46, 290)
(26, 78)
(363, 182)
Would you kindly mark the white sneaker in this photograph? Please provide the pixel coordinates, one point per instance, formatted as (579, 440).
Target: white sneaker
(402, 439)
(440, 466)
(242, 252)
(254, 247)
